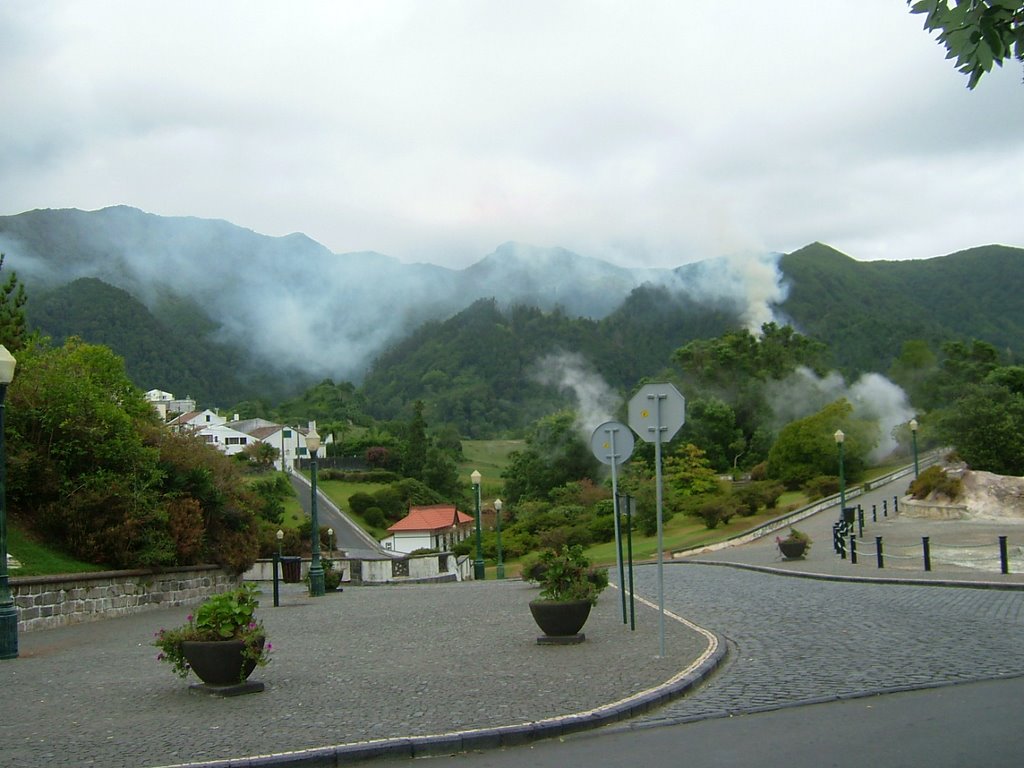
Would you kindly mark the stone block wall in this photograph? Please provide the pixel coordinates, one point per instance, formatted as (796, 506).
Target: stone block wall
(45, 602)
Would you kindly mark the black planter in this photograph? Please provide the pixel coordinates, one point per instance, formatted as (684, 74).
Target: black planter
(561, 619)
(218, 662)
(792, 549)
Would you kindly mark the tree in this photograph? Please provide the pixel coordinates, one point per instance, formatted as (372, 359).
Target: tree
(555, 454)
(986, 423)
(977, 33)
(92, 471)
(12, 311)
(806, 448)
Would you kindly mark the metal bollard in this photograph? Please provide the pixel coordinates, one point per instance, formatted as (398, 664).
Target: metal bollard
(860, 521)
(874, 513)
(853, 550)
(895, 505)
(878, 546)
(1004, 561)
(885, 507)
(926, 546)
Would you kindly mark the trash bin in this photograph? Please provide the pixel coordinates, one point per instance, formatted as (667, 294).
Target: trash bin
(291, 569)
(848, 515)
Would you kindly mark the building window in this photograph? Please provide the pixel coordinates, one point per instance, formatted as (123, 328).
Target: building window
(301, 451)
(234, 440)
(287, 434)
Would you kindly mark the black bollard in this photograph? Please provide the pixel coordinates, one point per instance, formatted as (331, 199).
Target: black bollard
(1004, 561)
(853, 550)
(885, 507)
(926, 546)
(878, 547)
(860, 522)
(874, 513)
(895, 505)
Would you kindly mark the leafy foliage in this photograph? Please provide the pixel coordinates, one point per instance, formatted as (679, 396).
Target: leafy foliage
(565, 574)
(12, 311)
(935, 479)
(977, 33)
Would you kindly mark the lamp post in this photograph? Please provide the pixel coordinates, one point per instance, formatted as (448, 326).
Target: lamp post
(478, 564)
(497, 517)
(316, 570)
(913, 433)
(330, 541)
(8, 613)
(840, 439)
(277, 563)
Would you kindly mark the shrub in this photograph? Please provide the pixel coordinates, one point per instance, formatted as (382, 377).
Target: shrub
(936, 480)
(821, 486)
(718, 509)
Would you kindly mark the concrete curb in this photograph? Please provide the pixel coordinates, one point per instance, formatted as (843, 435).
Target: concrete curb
(890, 580)
(493, 738)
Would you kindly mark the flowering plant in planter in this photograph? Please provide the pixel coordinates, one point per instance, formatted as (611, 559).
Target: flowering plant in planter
(566, 574)
(795, 545)
(227, 616)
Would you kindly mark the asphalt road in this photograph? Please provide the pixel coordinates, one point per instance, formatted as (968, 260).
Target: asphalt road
(348, 536)
(957, 726)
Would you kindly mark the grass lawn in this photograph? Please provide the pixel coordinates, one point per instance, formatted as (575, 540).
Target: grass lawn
(489, 457)
(339, 491)
(38, 560)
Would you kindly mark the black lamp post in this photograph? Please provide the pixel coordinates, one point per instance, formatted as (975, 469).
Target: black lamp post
(316, 570)
(497, 518)
(478, 564)
(8, 613)
(840, 439)
(913, 433)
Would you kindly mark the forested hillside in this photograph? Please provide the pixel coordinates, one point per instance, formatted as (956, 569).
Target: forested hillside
(865, 310)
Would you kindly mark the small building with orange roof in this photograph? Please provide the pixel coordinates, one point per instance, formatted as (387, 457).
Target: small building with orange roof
(436, 526)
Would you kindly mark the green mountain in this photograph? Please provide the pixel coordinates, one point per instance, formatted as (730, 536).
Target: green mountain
(864, 311)
(176, 352)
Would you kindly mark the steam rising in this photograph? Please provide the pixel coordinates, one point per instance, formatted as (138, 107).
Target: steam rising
(596, 402)
(296, 305)
(873, 397)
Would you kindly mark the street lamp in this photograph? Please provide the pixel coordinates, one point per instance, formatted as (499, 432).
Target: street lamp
(277, 563)
(840, 439)
(913, 433)
(478, 564)
(316, 570)
(8, 613)
(497, 516)
(330, 540)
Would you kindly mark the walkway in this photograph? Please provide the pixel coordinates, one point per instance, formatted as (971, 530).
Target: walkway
(396, 663)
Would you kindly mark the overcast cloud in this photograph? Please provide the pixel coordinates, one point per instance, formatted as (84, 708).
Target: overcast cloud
(644, 133)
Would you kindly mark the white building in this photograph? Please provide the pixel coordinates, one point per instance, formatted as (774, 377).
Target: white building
(438, 526)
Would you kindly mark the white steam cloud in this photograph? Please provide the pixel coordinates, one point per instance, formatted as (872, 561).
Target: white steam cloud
(873, 397)
(596, 402)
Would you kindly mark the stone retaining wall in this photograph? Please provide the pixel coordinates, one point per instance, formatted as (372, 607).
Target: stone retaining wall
(44, 602)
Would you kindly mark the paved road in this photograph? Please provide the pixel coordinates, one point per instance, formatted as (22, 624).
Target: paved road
(951, 727)
(796, 639)
(348, 536)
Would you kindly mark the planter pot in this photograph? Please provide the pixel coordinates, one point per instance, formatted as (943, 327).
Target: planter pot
(792, 550)
(558, 619)
(218, 662)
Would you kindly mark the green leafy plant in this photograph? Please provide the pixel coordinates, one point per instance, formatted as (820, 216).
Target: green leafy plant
(567, 575)
(227, 616)
(935, 480)
(794, 538)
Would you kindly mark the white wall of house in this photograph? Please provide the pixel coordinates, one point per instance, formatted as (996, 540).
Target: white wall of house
(225, 439)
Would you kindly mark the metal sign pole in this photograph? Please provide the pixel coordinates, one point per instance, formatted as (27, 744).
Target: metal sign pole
(657, 398)
(615, 509)
(629, 555)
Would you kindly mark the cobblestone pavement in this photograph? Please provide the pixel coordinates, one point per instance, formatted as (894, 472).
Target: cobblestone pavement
(370, 663)
(801, 640)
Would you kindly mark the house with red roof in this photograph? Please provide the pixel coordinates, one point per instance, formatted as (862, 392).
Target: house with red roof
(437, 526)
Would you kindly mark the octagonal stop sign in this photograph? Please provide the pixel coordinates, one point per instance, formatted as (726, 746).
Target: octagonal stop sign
(657, 409)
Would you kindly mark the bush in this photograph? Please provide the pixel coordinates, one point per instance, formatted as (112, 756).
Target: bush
(718, 509)
(936, 480)
(374, 517)
(821, 486)
(747, 499)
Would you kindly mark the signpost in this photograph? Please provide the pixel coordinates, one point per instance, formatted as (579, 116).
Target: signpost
(612, 443)
(656, 413)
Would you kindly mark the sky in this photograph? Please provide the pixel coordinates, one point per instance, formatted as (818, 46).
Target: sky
(643, 133)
